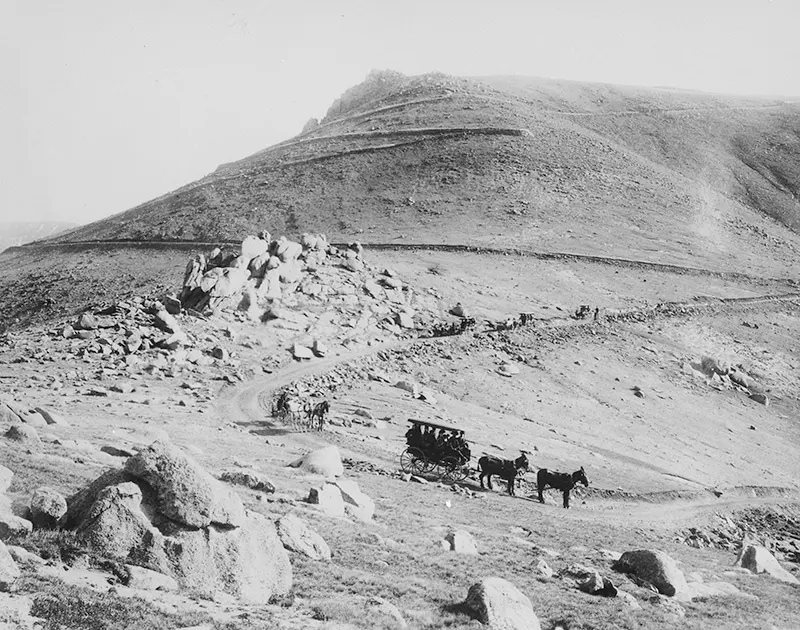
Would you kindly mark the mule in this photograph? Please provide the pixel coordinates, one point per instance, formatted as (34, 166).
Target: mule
(503, 468)
(316, 414)
(560, 481)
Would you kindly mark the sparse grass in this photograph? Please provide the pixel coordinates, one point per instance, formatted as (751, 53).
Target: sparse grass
(61, 545)
(64, 606)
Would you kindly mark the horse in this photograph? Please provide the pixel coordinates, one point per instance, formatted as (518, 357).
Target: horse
(504, 468)
(317, 413)
(560, 481)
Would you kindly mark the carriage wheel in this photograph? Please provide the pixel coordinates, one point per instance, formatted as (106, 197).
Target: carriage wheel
(449, 469)
(413, 460)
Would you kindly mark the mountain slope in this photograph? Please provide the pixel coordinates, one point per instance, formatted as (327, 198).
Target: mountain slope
(21, 232)
(664, 175)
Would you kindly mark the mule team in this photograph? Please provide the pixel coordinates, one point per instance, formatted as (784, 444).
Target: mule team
(509, 469)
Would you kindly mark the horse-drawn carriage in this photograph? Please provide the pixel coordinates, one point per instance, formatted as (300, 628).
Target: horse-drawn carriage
(435, 449)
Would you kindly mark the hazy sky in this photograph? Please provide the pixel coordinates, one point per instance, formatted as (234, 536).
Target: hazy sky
(106, 104)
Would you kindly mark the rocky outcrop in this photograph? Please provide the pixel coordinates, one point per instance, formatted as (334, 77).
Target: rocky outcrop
(164, 513)
(24, 435)
(654, 567)
(251, 479)
(499, 605)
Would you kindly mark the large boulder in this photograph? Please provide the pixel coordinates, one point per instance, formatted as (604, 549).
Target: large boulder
(185, 492)
(655, 567)
(253, 246)
(9, 571)
(165, 513)
(758, 559)
(46, 508)
(288, 250)
(325, 461)
(297, 536)
(499, 605)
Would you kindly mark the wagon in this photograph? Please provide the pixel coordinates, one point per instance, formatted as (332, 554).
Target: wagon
(437, 450)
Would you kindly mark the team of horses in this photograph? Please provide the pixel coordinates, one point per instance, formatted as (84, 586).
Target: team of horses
(301, 413)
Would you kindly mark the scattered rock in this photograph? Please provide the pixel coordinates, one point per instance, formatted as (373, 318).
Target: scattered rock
(462, 541)
(329, 499)
(46, 508)
(147, 580)
(51, 417)
(758, 559)
(9, 571)
(596, 584)
(324, 461)
(25, 435)
(762, 399)
(247, 478)
(302, 352)
(544, 569)
(499, 605)
(297, 536)
(655, 567)
(507, 369)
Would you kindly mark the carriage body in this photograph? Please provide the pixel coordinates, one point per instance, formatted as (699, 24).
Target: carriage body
(445, 455)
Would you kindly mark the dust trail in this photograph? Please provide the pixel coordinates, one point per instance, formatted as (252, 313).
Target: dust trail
(707, 222)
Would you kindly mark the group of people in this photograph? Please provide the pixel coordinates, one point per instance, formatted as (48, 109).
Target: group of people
(438, 441)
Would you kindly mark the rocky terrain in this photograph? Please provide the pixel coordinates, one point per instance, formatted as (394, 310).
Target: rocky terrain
(150, 478)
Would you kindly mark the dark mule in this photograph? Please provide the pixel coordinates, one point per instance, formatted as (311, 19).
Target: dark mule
(503, 468)
(316, 415)
(560, 481)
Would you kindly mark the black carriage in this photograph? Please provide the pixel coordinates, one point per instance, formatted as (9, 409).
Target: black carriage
(437, 450)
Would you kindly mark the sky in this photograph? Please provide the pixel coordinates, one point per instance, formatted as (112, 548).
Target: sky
(106, 104)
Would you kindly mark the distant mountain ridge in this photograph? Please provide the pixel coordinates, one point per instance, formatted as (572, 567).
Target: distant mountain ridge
(646, 173)
(14, 233)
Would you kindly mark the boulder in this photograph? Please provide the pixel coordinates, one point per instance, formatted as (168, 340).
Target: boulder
(9, 571)
(356, 503)
(302, 352)
(596, 584)
(654, 567)
(288, 250)
(324, 461)
(10, 523)
(461, 541)
(458, 310)
(328, 498)
(50, 416)
(353, 264)
(499, 605)
(28, 416)
(165, 321)
(147, 580)
(46, 508)
(544, 569)
(762, 399)
(253, 246)
(297, 536)
(290, 272)
(185, 492)
(404, 320)
(25, 435)
(247, 478)
(5, 478)
(123, 517)
(757, 559)
(508, 369)
(86, 321)
(229, 282)
(319, 348)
